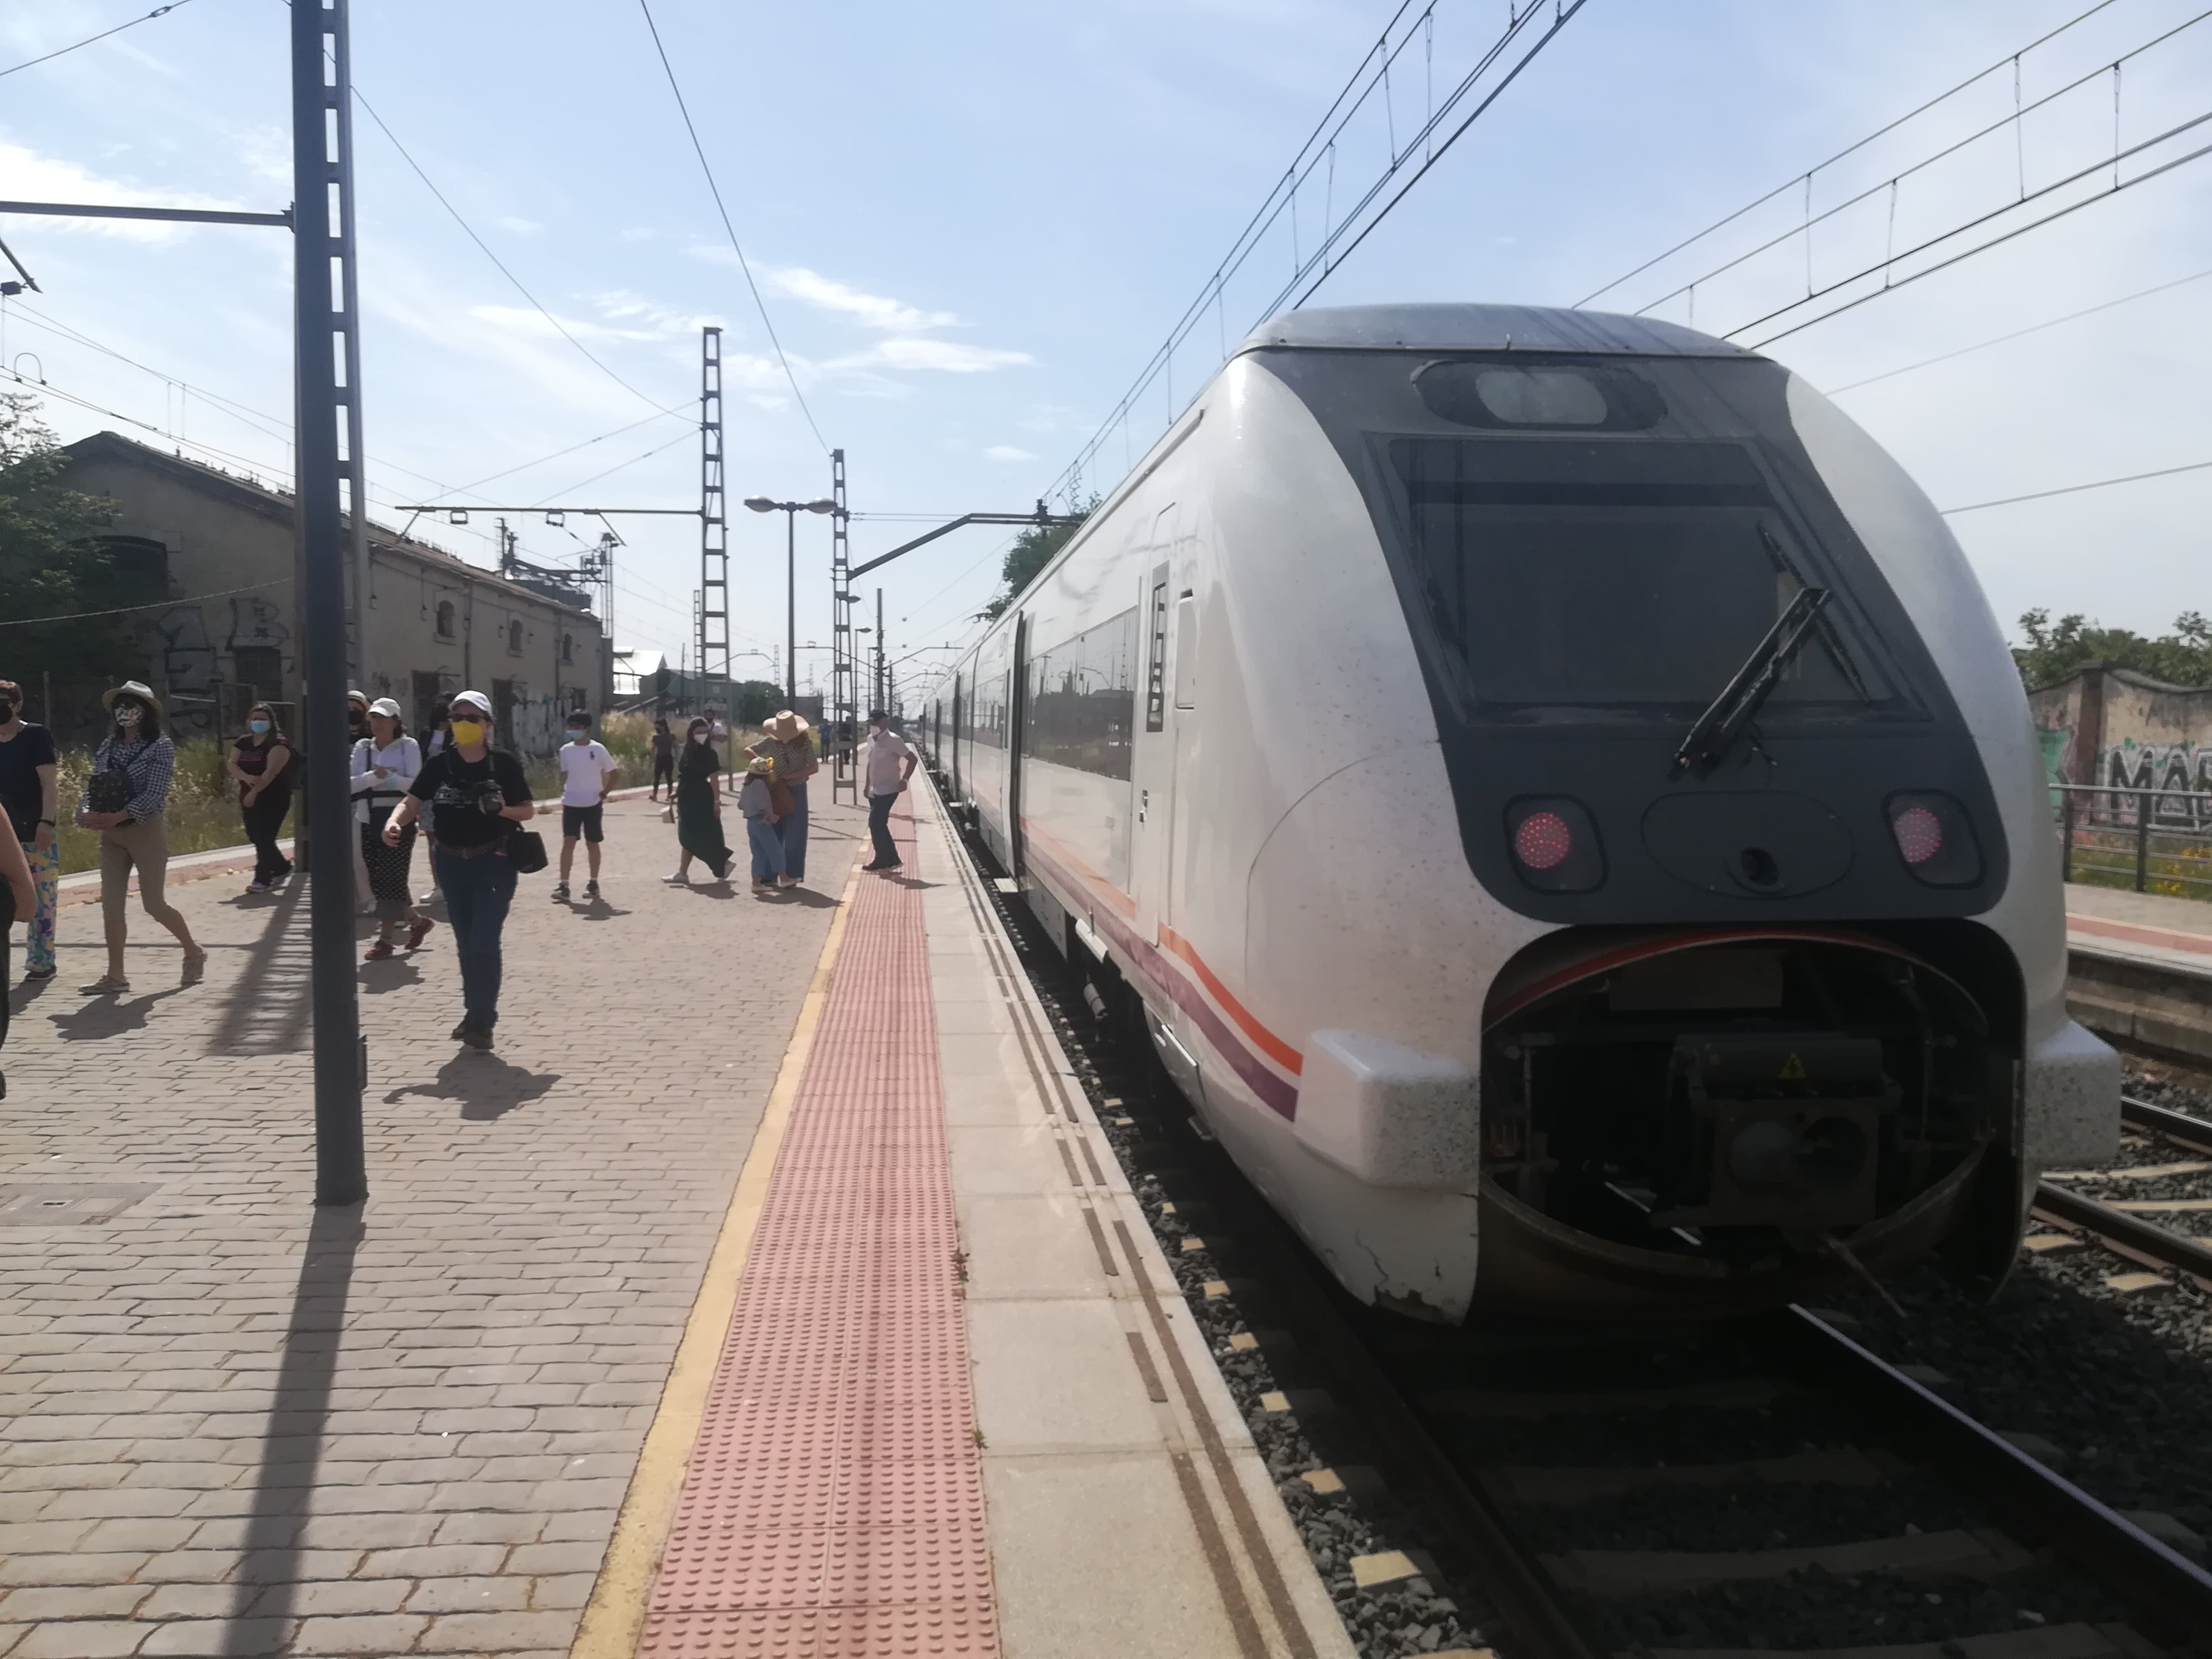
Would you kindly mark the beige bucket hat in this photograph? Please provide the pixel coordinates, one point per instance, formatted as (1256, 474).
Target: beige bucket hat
(784, 726)
(139, 689)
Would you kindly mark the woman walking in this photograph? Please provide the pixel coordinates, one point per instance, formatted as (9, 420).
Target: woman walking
(385, 763)
(664, 761)
(124, 798)
(18, 898)
(788, 740)
(476, 794)
(699, 806)
(261, 762)
(30, 790)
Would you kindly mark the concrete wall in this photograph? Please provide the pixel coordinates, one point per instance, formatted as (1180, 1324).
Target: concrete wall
(434, 623)
(2114, 726)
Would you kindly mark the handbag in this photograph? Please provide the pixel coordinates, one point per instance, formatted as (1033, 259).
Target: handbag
(109, 791)
(525, 850)
(668, 813)
(780, 801)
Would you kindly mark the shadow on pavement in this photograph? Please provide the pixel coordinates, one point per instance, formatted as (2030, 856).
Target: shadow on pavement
(809, 898)
(271, 1001)
(596, 909)
(390, 974)
(100, 1017)
(270, 1562)
(487, 1086)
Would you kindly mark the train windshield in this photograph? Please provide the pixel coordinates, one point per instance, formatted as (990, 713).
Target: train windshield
(1615, 574)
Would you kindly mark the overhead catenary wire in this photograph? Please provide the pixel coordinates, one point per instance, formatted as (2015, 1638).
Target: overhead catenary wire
(730, 229)
(64, 51)
(2076, 489)
(1798, 180)
(152, 605)
(2019, 333)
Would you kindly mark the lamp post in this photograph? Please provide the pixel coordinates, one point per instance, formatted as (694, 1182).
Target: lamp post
(791, 510)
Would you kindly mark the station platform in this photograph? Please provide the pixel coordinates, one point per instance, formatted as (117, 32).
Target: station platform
(2148, 927)
(769, 1289)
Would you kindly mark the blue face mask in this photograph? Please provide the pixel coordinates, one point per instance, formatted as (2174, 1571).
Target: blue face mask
(258, 726)
(582, 734)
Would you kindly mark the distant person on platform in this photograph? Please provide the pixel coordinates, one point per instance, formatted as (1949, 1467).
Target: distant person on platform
(587, 772)
(364, 896)
(126, 799)
(887, 762)
(664, 761)
(476, 794)
(30, 794)
(788, 740)
(386, 764)
(756, 803)
(699, 807)
(261, 765)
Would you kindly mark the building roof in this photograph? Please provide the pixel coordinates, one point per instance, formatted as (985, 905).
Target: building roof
(1483, 328)
(251, 495)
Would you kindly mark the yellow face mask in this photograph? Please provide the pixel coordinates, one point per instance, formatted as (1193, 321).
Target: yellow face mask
(467, 734)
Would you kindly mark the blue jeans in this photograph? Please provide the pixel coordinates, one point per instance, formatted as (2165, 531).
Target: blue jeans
(791, 831)
(768, 849)
(478, 893)
(879, 828)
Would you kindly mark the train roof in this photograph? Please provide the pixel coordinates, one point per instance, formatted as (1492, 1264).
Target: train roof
(1483, 328)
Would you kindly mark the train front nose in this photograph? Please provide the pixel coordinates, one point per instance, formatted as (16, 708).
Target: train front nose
(1706, 1123)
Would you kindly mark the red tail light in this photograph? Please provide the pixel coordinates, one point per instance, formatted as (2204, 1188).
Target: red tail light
(1554, 844)
(1543, 841)
(1919, 834)
(1935, 838)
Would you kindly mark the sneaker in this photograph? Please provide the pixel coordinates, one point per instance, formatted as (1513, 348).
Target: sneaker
(591, 890)
(787, 881)
(460, 1033)
(678, 879)
(416, 931)
(560, 892)
(379, 951)
(257, 886)
(476, 1035)
(107, 984)
(38, 976)
(877, 866)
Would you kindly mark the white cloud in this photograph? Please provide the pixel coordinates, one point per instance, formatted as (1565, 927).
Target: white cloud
(34, 177)
(1007, 453)
(519, 227)
(948, 356)
(871, 310)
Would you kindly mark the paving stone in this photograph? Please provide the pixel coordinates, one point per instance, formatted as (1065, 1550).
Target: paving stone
(82, 1638)
(38, 1602)
(495, 1632)
(223, 1637)
(377, 1633)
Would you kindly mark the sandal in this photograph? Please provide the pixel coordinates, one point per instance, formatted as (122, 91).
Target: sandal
(419, 930)
(377, 951)
(107, 984)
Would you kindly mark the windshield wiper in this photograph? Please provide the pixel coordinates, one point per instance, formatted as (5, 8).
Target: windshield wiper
(1717, 728)
(1785, 565)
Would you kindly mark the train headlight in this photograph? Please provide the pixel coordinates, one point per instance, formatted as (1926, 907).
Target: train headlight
(1554, 844)
(1935, 838)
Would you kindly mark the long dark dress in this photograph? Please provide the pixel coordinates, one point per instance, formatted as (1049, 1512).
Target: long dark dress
(698, 826)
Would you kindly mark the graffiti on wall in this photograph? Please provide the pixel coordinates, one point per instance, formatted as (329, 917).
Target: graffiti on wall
(191, 663)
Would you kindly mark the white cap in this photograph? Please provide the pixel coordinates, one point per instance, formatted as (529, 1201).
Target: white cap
(385, 707)
(482, 702)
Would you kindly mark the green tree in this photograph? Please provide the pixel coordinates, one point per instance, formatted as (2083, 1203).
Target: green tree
(757, 700)
(2057, 649)
(51, 566)
(1032, 550)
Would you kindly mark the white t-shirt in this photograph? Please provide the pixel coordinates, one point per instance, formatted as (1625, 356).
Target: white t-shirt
(885, 759)
(582, 765)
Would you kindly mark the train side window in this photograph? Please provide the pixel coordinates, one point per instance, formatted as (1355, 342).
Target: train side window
(1156, 673)
(1185, 653)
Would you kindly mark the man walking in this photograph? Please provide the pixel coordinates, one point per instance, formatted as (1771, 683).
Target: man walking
(587, 772)
(888, 761)
(28, 771)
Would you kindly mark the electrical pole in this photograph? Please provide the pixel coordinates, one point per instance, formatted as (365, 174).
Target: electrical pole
(791, 607)
(713, 623)
(879, 702)
(843, 670)
(322, 157)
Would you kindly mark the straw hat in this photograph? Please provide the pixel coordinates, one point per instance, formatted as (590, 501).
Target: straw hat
(784, 726)
(137, 688)
(761, 766)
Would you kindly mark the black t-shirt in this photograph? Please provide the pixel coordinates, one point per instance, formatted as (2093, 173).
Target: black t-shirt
(21, 757)
(450, 784)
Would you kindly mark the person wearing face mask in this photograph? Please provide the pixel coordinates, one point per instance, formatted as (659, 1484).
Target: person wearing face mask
(364, 899)
(261, 763)
(125, 796)
(29, 791)
(587, 772)
(385, 763)
(788, 740)
(474, 795)
(699, 806)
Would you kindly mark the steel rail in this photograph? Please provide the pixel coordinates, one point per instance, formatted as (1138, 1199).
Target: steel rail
(2097, 1538)
(2123, 1234)
(2179, 1127)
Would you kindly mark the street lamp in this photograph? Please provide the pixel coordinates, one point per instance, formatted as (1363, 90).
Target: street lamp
(791, 510)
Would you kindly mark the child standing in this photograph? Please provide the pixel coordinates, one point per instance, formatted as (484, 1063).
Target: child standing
(587, 772)
(756, 800)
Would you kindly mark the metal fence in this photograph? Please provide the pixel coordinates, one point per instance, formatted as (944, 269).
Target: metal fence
(2155, 841)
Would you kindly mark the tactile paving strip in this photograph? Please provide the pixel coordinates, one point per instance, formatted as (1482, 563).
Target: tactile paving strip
(833, 1505)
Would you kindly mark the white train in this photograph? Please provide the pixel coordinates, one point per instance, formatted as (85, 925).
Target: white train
(1563, 810)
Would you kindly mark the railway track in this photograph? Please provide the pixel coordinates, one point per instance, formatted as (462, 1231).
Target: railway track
(1565, 1493)
(2123, 1226)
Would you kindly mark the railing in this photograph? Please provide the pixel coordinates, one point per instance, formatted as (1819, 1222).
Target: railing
(2155, 841)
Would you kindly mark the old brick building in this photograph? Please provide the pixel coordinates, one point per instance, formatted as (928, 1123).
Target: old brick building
(220, 548)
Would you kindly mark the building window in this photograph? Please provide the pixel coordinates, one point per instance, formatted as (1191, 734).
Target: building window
(567, 648)
(444, 619)
(514, 639)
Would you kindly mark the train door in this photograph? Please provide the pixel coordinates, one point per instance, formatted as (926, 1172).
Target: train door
(952, 766)
(1151, 762)
(1183, 658)
(1017, 702)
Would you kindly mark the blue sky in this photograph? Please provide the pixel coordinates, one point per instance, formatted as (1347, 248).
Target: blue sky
(972, 224)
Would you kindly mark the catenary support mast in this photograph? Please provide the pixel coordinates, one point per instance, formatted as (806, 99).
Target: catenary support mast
(713, 526)
(322, 169)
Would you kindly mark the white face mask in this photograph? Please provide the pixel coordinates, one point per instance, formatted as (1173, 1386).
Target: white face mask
(701, 737)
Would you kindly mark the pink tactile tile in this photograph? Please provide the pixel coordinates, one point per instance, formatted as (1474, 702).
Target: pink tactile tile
(833, 1504)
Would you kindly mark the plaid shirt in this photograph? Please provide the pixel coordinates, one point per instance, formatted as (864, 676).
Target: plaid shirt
(151, 761)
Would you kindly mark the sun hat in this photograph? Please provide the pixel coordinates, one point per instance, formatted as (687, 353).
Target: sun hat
(481, 703)
(784, 725)
(361, 697)
(761, 766)
(137, 688)
(385, 707)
